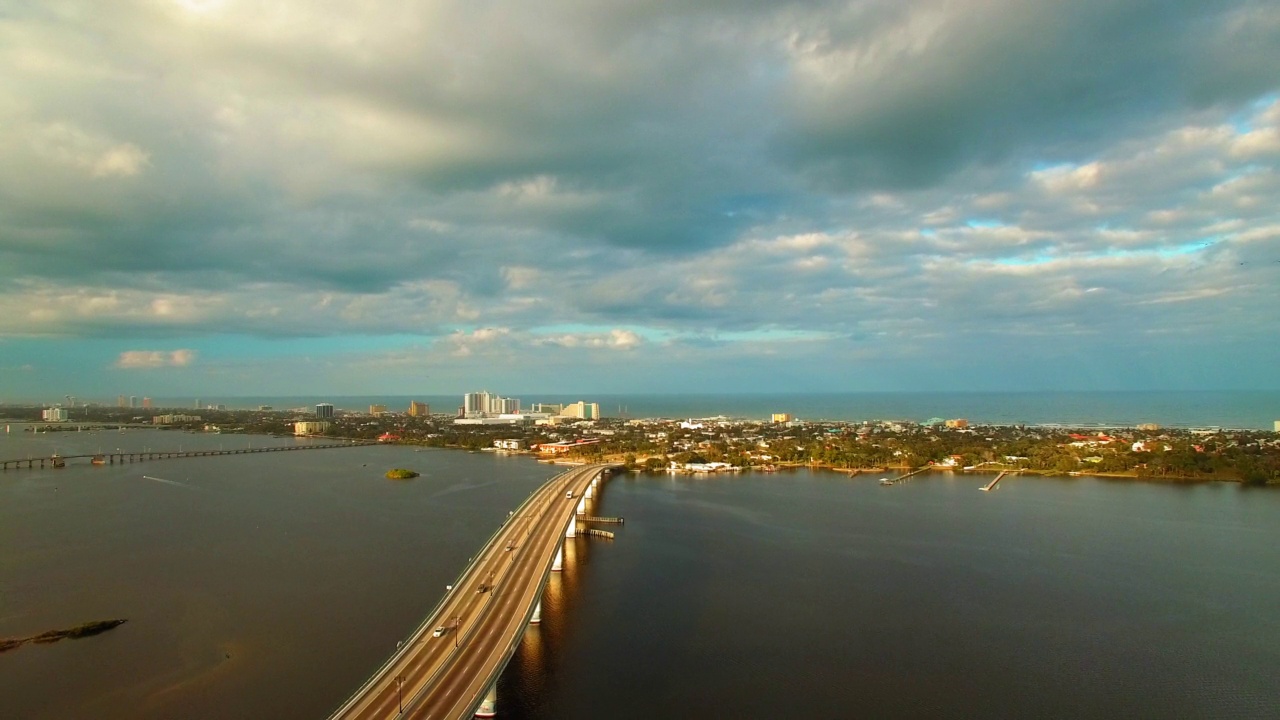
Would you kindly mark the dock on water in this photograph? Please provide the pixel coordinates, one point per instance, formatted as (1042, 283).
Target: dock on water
(904, 478)
(992, 485)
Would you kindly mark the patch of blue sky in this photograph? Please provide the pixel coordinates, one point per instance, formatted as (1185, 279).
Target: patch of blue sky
(983, 223)
(1241, 123)
(1052, 167)
(771, 335)
(1265, 101)
(1104, 254)
(223, 346)
(928, 232)
(647, 333)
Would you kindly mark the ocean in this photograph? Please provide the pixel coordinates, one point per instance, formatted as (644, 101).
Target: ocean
(1256, 410)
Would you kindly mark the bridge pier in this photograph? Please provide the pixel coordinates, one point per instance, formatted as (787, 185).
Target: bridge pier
(537, 613)
(489, 705)
(558, 564)
(582, 507)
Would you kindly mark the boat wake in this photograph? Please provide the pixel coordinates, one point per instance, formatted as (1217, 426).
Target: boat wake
(167, 482)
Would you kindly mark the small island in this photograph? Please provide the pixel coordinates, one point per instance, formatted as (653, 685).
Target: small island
(80, 631)
(401, 474)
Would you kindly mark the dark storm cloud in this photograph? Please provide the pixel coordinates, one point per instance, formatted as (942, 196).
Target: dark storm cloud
(901, 94)
(868, 177)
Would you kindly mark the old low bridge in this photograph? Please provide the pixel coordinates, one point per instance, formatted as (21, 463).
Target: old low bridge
(130, 457)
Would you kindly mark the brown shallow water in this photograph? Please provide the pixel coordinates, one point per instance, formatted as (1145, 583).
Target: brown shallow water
(261, 585)
(271, 585)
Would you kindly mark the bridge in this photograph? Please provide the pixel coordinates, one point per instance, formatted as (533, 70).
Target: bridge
(449, 666)
(129, 457)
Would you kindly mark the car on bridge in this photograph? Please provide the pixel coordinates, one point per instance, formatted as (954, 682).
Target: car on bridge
(440, 631)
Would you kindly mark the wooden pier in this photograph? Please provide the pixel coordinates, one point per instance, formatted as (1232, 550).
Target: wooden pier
(132, 457)
(905, 478)
(992, 485)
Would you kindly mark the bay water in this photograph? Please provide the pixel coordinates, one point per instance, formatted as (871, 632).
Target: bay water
(271, 585)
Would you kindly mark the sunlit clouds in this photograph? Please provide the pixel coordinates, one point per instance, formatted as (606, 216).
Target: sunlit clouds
(641, 196)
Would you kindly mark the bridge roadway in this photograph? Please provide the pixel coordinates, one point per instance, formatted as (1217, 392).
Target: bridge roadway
(487, 610)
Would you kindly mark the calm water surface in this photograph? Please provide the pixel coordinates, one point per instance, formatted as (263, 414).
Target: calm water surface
(814, 595)
(271, 585)
(255, 586)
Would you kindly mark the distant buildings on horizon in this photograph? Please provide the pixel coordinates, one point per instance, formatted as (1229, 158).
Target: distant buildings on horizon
(485, 408)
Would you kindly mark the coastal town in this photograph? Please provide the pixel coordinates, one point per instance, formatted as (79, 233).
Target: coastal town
(576, 432)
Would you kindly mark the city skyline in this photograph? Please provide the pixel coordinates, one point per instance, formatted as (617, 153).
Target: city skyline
(578, 200)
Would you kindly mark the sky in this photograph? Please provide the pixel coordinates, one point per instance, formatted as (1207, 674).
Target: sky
(240, 197)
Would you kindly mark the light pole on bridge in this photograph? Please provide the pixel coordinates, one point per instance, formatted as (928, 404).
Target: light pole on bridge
(400, 691)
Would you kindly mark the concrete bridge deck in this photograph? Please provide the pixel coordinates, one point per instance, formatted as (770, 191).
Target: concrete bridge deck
(486, 612)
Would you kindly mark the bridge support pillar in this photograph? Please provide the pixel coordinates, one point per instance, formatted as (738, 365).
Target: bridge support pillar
(558, 564)
(489, 705)
(591, 491)
(572, 530)
(582, 507)
(537, 614)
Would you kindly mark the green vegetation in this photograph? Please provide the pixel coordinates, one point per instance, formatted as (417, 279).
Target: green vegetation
(1169, 454)
(401, 474)
(52, 636)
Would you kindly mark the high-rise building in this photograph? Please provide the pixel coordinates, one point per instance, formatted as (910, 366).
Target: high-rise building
(418, 409)
(479, 404)
(146, 403)
(377, 409)
(782, 417)
(475, 403)
(54, 414)
(122, 401)
(133, 401)
(324, 410)
(546, 408)
(582, 410)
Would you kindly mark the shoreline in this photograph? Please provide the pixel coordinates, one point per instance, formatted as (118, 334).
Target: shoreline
(851, 472)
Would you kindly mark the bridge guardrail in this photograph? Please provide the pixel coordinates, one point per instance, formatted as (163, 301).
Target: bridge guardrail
(431, 616)
(515, 642)
(488, 607)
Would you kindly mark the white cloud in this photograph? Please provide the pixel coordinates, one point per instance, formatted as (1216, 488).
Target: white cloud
(1069, 178)
(149, 359)
(124, 160)
(69, 145)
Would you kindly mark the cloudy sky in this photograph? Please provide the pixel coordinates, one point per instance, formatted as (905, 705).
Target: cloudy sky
(247, 197)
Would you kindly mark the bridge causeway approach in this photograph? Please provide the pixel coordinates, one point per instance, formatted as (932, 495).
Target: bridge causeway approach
(484, 613)
(129, 457)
